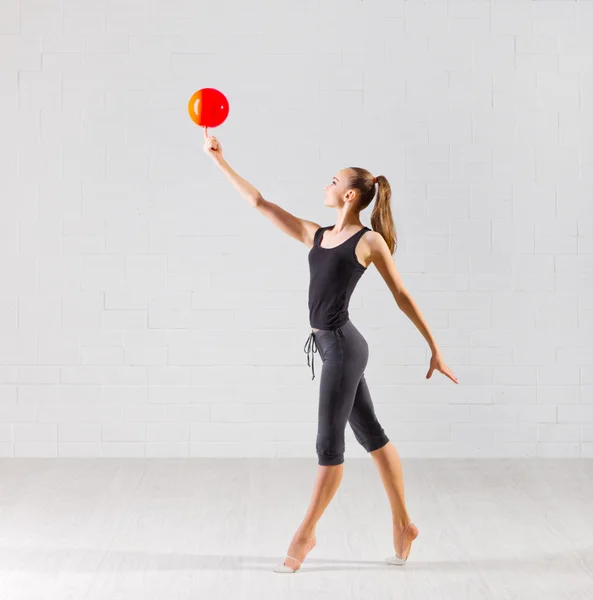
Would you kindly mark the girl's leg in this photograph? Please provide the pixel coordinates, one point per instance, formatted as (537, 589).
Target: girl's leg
(370, 434)
(339, 379)
(326, 484)
(389, 466)
(390, 470)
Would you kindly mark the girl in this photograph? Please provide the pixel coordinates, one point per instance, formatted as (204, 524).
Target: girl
(339, 255)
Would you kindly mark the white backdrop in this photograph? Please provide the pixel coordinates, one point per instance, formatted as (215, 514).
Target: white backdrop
(148, 310)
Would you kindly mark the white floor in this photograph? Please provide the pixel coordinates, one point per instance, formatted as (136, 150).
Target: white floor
(106, 529)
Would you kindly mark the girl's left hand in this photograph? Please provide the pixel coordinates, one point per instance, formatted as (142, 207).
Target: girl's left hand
(212, 146)
(437, 363)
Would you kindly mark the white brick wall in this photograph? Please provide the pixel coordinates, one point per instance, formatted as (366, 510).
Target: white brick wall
(147, 310)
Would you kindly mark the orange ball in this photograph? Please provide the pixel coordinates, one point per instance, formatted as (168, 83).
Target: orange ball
(208, 107)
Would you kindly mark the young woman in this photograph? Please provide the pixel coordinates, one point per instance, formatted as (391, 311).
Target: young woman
(339, 255)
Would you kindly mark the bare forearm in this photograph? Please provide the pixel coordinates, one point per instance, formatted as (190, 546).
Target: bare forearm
(410, 308)
(247, 191)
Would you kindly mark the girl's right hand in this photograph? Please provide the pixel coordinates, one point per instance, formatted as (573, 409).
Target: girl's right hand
(212, 146)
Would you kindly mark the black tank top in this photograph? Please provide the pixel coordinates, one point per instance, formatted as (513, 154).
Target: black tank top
(334, 274)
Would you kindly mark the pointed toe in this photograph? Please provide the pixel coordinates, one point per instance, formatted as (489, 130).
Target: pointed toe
(283, 569)
(395, 560)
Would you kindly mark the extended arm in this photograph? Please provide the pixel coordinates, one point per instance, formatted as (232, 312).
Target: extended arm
(382, 259)
(300, 229)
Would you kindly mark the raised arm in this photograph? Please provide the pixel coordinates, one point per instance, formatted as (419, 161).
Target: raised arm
(300, 229)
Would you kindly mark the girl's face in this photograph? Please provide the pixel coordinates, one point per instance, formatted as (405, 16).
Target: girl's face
(335, 190)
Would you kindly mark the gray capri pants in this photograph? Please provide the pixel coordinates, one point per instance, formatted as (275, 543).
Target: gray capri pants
(343, 393)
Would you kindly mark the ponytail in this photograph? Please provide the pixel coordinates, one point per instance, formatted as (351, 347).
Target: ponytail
(381, 217)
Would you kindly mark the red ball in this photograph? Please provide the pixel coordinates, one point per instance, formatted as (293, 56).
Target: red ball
(208, 107)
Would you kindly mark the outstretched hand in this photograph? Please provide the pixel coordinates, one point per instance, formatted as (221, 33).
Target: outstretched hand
(212, 146)
(437, 363)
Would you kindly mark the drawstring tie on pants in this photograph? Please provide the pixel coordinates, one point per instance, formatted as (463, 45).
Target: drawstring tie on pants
(310, 349)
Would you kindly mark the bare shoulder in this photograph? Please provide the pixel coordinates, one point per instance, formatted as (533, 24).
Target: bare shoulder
(374, 240)
(369, 246)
